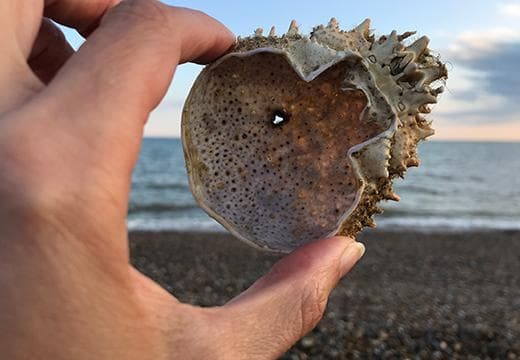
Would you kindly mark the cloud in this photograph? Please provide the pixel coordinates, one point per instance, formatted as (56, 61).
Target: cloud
(486, 86)
(478, 43)
(511, 10)
(501, 68)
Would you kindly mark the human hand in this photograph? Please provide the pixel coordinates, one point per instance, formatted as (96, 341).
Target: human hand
(70, 131)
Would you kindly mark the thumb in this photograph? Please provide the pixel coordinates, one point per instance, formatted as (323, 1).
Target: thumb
(280, 308)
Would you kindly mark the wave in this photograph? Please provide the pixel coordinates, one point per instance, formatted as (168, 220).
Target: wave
(184, 225)
(160, 186)
(435, 176)
(463, 214)
(430, 224)
(160, 207)
(405, 188)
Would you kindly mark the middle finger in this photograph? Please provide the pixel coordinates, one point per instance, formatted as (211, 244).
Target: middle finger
(50, 51)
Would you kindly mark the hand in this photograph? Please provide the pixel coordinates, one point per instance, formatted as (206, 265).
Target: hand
(70, 131)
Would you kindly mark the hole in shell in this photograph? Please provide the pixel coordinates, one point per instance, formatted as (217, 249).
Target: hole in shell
(279, 117)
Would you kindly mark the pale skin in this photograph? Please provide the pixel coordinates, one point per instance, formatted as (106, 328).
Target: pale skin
(71, 125)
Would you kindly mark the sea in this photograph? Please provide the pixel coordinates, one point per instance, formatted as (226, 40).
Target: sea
(460, 186)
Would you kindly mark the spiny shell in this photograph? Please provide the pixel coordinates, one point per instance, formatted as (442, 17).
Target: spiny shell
(293, 138)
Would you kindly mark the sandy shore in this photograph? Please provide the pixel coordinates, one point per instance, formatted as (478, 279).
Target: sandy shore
(412, 296)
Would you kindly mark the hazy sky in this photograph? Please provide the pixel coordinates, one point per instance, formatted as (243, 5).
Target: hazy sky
(480, 41)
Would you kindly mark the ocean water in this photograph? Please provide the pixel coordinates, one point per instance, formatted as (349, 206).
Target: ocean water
(459, 186)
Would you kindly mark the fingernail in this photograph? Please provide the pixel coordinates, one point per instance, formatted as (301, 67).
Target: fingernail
(352, 254)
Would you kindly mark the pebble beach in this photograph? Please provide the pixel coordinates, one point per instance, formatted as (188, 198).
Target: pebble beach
(412, 296)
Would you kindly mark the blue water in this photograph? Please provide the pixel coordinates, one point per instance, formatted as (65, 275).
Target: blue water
(459, 186)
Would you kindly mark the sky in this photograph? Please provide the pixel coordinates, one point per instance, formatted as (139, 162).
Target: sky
(479, 40)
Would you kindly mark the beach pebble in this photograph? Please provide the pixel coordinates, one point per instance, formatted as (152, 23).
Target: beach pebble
(307, 342)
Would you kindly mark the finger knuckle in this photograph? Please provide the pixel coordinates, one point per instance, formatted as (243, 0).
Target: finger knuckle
(313, 305)
(141, 11)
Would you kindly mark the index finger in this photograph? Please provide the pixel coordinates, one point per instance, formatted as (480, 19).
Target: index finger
(128, 62)
(84, 16)
(107, 89)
